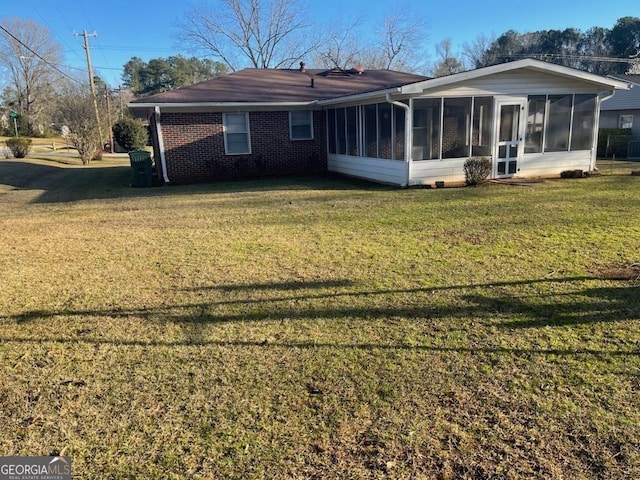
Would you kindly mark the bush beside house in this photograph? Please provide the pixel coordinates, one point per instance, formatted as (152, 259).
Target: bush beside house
(477, 170)
(607, 148)
(131, 134)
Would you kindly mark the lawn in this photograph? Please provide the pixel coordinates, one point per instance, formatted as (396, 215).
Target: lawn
(319, 328)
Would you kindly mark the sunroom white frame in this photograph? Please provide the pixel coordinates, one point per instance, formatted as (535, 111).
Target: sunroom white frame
(513, 81)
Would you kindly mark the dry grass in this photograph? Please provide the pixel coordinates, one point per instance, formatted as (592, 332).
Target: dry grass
(318, 328)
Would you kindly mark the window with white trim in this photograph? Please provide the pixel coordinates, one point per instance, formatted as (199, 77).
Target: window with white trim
(560, 123)
(625, 121)
(237, 140)
(301, 125)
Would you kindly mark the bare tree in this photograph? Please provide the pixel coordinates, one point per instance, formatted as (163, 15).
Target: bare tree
(397, 43)
(342, 46)
(475, 52)
(28, 55)
(448, 63)
(401, 38)
(75, 111)
(261, 33)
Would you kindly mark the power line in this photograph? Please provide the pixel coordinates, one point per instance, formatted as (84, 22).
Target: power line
(137, 48)
(37, 55)
(542, 56)
(97, 40)
(54, 32)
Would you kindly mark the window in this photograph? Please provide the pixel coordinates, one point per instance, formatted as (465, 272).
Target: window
(558, 123)
(535, 124)
(331, 129)
(583, 117)
(301, 125)
(236, 133)
(426, 128)
(384, 131)
(625, 121)
(371, 130)
(379, 139)
(482, 132)
(452, 127)
(456, 127)
(352, 131)
(341, 131)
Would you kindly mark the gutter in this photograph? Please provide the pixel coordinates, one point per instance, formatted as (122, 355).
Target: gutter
(163, 159)
(407, 135)
(358, 96)
(594, 148)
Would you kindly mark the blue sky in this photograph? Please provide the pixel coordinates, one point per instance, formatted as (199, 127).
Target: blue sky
(146, 29)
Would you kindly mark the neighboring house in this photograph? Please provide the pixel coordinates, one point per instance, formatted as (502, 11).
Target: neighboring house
(531, 118)
(623, 109)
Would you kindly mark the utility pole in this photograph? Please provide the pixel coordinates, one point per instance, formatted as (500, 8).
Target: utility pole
(91, 82)
(119, 90)
(107, 94)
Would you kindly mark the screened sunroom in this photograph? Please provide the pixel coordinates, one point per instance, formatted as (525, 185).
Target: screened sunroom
(530, 118)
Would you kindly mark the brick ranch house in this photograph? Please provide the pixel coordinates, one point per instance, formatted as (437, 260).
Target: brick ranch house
(531, 118)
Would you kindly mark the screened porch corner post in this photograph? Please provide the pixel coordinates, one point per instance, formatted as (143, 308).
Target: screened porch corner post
(407, 136)
(600, 97)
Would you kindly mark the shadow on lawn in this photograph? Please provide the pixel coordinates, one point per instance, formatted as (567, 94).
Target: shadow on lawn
(67, 183)
(319, 345)
(494, 303)
(70, 183)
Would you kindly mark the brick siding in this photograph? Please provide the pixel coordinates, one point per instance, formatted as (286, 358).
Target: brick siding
(194, 148)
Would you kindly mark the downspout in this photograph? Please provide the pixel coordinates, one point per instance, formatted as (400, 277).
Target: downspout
(594, 146)
(163, 159)
(407, 136)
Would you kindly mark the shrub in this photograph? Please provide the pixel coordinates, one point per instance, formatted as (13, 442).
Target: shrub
(616, 146)
(19, 146)
(131, 134)
(476, 170)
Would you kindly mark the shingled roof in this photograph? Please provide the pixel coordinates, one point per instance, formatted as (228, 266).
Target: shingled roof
(253, 85)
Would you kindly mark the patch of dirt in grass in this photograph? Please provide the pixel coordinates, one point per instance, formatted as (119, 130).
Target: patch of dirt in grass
(617, 272)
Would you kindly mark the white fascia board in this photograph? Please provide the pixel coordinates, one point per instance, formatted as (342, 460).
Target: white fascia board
(620, 78)
(359, 96)
(530, 63)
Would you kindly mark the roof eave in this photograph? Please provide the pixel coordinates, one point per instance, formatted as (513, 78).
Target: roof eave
(359, 96)
(245, 105)
(619, 78)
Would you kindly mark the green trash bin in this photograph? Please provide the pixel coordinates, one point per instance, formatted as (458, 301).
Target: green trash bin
(141, 168)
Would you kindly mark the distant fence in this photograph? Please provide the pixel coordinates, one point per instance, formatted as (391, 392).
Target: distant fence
(621, 146)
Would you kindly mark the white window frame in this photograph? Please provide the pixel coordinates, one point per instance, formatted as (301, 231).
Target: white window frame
(622, 119)
(247, 132)
(310, 113)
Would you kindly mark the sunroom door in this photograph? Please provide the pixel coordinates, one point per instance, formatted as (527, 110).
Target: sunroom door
(510, 138)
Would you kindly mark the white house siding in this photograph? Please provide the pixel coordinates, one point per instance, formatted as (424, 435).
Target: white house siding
(611, 118)
(553, 163)
(522, 83)
(390, 172)
(427, 172)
